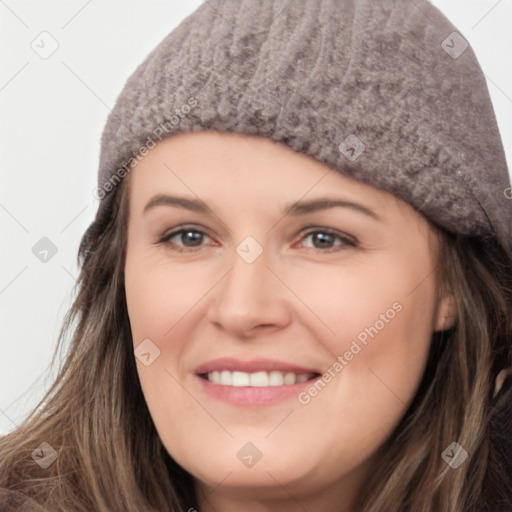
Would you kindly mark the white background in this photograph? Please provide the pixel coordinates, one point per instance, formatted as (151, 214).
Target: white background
(52, 114)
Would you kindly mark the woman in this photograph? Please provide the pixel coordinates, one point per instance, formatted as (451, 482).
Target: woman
(297, 291)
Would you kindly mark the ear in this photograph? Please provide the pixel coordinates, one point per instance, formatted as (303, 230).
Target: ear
(447, 312)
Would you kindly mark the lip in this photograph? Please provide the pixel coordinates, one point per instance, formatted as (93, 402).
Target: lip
(251, 366)
(247, 396)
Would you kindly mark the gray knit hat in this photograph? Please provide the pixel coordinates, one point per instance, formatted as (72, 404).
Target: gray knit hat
(385, 91)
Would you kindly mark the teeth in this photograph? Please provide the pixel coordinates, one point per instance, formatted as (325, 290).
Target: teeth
(240, 379)
(225, 378)
(257, 379)
(275, 379)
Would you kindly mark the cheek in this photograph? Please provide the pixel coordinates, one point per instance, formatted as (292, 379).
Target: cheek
(389, 299)
(163, 304)
(376, 326)
(160, 294)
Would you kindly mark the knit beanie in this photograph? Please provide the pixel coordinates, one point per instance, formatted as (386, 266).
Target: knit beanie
(388, 92)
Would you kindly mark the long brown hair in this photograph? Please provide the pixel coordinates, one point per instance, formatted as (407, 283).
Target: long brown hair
(110, 457)
(454, 402)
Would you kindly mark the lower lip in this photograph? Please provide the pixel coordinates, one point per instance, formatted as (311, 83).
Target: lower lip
(253, 396)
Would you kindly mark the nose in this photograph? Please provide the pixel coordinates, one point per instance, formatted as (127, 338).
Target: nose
(250, 299)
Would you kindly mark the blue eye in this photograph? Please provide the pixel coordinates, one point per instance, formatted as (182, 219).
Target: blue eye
(326, 238)
(190, 240)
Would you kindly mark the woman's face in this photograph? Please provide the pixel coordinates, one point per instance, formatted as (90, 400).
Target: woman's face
(260, 296)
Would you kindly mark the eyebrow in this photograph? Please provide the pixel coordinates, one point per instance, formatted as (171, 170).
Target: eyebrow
(295, 209)
(323, 203)
(194, 205)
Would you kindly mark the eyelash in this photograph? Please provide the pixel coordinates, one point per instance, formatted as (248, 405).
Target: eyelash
(346, 240)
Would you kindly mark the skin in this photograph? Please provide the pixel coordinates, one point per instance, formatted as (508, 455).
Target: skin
(299, 301)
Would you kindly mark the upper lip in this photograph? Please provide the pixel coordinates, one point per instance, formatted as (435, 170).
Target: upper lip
(251, 366)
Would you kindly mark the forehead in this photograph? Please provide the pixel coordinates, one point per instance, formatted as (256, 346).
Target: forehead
(205, 163)
(250, 182)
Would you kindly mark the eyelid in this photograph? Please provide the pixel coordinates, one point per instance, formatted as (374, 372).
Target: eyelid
(346, 239)
(165, 238)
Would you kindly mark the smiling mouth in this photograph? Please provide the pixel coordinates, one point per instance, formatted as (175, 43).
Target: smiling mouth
(257, 379)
